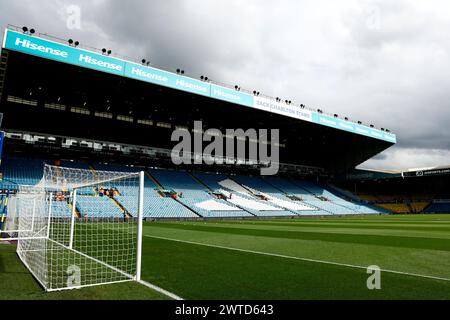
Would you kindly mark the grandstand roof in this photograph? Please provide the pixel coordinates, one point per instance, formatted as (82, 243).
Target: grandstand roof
(81, 93)
(429, 171)
(372, 174)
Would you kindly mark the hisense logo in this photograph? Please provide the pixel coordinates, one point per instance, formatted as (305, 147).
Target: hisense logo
(88, 59)
(64, 54)
(148, 75)
(36, 47)
(192, 86)
(231, 96)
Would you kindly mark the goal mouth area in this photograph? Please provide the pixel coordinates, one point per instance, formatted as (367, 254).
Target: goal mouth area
(78, 228)
(66, 268)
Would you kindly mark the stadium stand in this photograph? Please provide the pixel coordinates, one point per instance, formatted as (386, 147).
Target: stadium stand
(438, 206)
(181, 194)
(408, 193)
(73, 164)
(156, 205)
(419, 207)
(21, 171)
(195, 195)
(98, 206)
(259, 188)
(115, 167)
(244, 197)
(61, 209)
(395, 207)
(318, 197)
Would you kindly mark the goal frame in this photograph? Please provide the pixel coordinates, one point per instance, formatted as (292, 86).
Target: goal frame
(47, 237)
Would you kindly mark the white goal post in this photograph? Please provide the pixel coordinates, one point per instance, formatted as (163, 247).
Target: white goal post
(78, 227)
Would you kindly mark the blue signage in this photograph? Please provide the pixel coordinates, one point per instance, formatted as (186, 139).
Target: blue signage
(165, 78)
(353, 128)
(55, 51)
(64, 53)
(147, 74)
(231, 95)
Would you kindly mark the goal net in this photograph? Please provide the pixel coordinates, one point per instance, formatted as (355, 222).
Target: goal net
(78, 228)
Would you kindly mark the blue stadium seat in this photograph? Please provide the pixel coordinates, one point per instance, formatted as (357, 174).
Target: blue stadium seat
(439, 207)
(21, 171)
(98, 206)
(194, 194)
(197, 194)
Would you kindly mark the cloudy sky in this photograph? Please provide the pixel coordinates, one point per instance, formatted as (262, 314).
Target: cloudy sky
(384, 62)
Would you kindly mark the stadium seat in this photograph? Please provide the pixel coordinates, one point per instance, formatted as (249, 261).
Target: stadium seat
(21, 171)
(442, 206)
(197, 195)
(193, 193)
(97, 206)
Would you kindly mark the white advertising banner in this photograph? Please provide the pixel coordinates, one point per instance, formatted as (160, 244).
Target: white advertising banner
(282, 109)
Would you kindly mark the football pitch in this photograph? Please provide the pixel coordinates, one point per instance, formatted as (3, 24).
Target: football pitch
(308, 258)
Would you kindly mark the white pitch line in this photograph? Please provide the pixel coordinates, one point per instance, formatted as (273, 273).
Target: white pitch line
(160, 290)
(298, 258)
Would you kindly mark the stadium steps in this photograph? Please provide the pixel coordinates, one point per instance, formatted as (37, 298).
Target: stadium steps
(342, 205)
(250, 191)
(199, 181)
(410, 207)
(226, 200)
(154, 180)
(284, 193)
(94, 173)
(274, 186)
(317, 196)
(253, 194)
(297, 186)
(242, 208)
(302, 187)
(232, 204)
(208, 188)
(188, 207)
(343, 193)
(121, 207)
(77, 211)
(427, 207)
(161, 187)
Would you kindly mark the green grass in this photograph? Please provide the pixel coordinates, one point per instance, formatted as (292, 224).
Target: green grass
(416, 244)
(17, 283)
(412, 244)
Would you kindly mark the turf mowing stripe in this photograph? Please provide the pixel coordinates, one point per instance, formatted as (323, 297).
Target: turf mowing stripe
(341, 219)
(340, 237)
(335, 226)
(160, 290)
(344, 225)
(297, 258)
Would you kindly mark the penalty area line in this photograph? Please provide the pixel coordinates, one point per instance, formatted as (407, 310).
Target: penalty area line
(298, 258)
